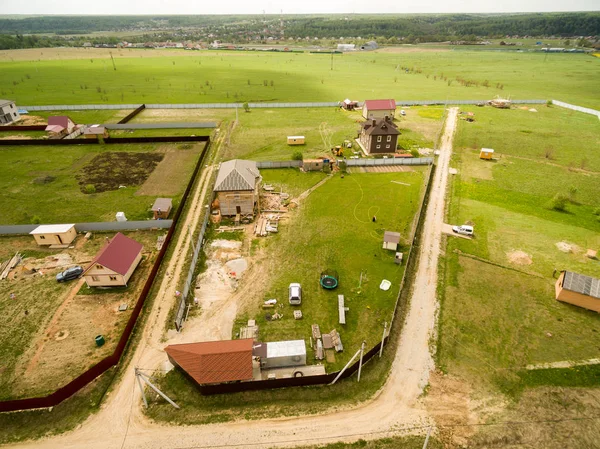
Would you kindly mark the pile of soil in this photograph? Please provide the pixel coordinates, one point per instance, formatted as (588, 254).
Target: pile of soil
(519, 258)
(566, 247)
(108, 171)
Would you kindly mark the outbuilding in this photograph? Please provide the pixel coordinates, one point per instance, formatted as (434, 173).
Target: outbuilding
(579, 290)
(312, 165)
(279, 354)
(56, 234)
(94, 132)
(379, 109)
(486, 153)
(60, 125)
(391, 240)
(115, 263)
(162, 208)
(214, 362)
(295, 140)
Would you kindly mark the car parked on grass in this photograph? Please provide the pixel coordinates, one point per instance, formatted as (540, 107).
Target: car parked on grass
(463, 230)
(69, 274)
(295, 294)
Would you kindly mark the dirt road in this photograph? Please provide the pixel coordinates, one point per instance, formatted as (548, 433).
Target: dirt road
(120, 423)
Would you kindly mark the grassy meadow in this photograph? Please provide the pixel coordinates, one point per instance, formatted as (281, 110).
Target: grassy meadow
(498, 308)
(73, 76)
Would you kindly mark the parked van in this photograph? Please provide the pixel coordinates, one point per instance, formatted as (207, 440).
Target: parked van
(295, 294)
(464, 229)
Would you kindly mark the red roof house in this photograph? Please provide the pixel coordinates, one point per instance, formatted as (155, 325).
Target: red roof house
(379, 108)
(214, 362)
(60, 124)
(115, 263)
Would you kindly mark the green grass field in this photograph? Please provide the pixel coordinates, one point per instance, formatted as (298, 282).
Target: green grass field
(498, 310)
(185, 77)
(28, 197)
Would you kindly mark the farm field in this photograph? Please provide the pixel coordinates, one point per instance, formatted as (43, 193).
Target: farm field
(49, 335)
(74, 76)
(499, 312)
(47, 184)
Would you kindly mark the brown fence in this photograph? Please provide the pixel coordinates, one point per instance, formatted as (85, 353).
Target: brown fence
(328, 378)
(108, 140)
(131, 115)
(88, 376)
(23, 128)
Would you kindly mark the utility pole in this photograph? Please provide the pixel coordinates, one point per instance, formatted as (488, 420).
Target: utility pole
(332, 60)
(427, 438)
(345, 367)
(382, 338)
(140, 376)
(362, 351)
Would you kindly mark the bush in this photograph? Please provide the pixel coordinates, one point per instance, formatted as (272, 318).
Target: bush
(559, 202)
(36, 220)
(297, 156)
(415, 153)
(89, 188)
(597, 211)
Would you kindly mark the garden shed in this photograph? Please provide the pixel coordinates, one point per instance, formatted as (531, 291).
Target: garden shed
(295, 140)
(162, 208)
(579, 290)
(312, 164)
(486, 153)
(56, 234)
(391, 240)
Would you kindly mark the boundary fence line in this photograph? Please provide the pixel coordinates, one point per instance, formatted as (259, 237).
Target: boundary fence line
(108, 141)
(108, 362)
(252, 105)
(95, 226)
(562, 104)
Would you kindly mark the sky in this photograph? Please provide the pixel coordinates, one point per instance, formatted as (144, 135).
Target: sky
(289, 6)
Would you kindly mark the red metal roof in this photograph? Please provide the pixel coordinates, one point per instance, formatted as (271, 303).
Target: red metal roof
(379, 105)
(118, 255)
(214, 361)
(61, 120)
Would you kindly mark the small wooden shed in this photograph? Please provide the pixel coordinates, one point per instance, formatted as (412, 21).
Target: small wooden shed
(579, 290)
(295, 140)
(56, 234)
(486, 153)
(94, 132)
(391, 240)
(312, 164)
(162, 208)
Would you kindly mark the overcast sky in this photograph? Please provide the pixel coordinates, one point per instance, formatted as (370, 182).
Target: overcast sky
(288, 6)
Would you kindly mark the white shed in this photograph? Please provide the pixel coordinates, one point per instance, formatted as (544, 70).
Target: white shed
(56, 234)
(285, 353)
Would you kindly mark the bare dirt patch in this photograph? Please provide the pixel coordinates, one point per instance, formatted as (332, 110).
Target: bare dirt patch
(108, 171)
(170, 175)
(566, 247)
(519, 258)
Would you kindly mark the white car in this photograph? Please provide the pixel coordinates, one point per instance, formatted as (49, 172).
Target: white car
(295, 294)
(464, 229)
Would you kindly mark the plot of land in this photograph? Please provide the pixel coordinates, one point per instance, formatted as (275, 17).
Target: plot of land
(49, 336)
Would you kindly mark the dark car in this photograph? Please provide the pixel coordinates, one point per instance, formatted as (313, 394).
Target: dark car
(69, 274)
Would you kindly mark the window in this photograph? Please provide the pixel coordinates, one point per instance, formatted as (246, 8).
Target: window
(236, 196)
(95, 279)
(378, 146)
(113, 278)
(389, 139)
(99, 267)
(387, 146)
(378, 138)
(42, 237)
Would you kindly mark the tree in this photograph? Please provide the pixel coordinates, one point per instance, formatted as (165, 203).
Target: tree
(297, 156)
(559, 202)
(246, 107)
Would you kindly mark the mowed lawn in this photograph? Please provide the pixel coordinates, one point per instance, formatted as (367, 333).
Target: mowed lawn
(499, 312)
(40, 184)
(214, 76)
(333, 230)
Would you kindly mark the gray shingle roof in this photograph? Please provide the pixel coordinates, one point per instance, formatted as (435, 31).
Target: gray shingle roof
(581, 283)
(237, 175)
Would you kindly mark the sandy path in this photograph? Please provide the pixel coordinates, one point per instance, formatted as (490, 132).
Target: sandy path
(120, 423)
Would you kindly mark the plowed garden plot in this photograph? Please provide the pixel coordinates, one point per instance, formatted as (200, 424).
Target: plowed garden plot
(108, 171)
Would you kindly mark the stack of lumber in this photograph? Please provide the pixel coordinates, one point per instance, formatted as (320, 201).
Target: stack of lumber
(9, 265)
(336, 340)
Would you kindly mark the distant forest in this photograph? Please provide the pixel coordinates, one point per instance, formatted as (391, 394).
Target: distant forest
(24, 33)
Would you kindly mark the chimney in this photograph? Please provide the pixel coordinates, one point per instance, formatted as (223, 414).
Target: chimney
(374, 122)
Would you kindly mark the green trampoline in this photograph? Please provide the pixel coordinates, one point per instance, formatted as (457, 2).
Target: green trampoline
(329, 280)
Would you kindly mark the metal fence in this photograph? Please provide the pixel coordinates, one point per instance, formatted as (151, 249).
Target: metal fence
(251, 105)
(279, 164)
(179, 317)
(167, 125)
(577, 108)
(97, 227)
(389, 161)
